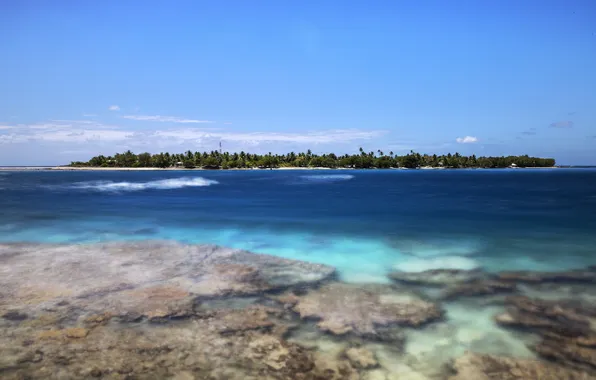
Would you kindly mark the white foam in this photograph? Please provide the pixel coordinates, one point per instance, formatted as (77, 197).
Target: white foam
(328, 177)
(445, 262)
(444, 248)
(164, 184)
(356, 277)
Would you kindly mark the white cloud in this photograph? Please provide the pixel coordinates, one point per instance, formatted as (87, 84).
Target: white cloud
(255, 138)
(89, 115)
(59, 141)
(74, 121)
(75, 151)
(322, 137)
(63, 131)
(467, 140)
(114, 108)
(170, 119)
(69, 131)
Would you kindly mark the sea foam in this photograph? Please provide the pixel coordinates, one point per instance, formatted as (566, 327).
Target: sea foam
(445, 262)
(328, 177)
(164, 184)
(441, 247)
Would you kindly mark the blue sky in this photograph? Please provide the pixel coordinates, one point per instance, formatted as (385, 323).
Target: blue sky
(485, 77)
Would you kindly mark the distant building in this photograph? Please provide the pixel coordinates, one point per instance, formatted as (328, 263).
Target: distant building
(513, 166)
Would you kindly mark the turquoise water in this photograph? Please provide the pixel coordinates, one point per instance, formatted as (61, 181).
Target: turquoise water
(365, 223)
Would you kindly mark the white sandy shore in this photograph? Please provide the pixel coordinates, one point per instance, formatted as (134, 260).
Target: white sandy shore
(68, 168)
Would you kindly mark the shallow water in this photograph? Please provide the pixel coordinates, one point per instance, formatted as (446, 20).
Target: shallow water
(364, 223)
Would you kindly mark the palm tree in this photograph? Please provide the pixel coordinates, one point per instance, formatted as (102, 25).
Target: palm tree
(215, 159)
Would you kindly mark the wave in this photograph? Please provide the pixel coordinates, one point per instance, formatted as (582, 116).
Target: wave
(440, 248)
(164, 184)
(446, 262)
(328, 177)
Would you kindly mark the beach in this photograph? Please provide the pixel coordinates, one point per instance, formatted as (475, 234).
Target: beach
(281, 272)
(83, 168)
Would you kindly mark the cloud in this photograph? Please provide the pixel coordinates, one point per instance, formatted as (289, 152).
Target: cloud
(75, 151)
(89, 115)
(114, 108)
(74, 121)
(255, 138)
(467, 140)
(61, 131)
(529, 132)
(61, 141)
(562, 124)
(97, 135)
(170, 119)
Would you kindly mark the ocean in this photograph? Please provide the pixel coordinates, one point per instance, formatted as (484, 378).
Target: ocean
(366, 224)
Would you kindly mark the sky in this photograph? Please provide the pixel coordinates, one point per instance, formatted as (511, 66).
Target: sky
(490, 77)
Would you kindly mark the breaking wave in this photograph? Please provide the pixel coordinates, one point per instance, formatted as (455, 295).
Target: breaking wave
(164, 184)
(446, 262)
(328, 177)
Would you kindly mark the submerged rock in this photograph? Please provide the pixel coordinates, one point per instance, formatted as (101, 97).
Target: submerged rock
(569, 353)
(227, 345)
(361, 358)
(61, 303)
(63, 334)
(566, 329)
(437, 277)
(14, 315)
(545, 316)
(365, 310)
(478, 288)
(153, 280)
(256, 318)
(571, 276)
(222, 344)
(487, 367)
(456, 283)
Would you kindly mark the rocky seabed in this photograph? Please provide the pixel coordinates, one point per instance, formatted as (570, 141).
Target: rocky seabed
(162, 310)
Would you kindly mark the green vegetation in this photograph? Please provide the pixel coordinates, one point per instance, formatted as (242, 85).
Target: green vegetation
(363, 160)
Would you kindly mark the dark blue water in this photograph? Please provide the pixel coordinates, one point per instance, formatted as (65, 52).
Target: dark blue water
(363, 222)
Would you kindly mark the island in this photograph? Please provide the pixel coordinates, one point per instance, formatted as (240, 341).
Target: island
(363, 160)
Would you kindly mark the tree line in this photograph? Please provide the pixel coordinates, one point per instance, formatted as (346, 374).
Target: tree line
(363, 160)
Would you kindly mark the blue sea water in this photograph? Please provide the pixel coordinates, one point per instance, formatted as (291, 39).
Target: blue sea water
(365, 223)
